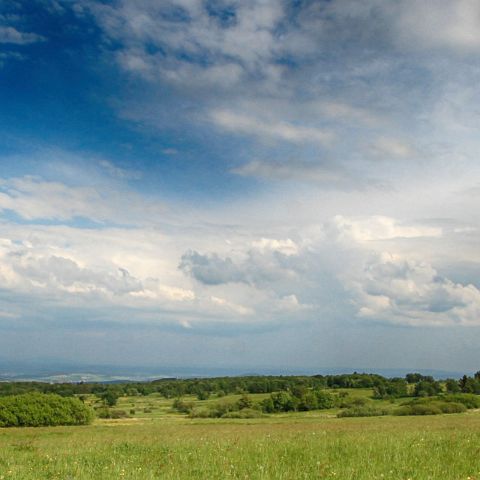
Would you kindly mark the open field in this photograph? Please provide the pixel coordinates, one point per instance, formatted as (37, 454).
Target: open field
(159, 444)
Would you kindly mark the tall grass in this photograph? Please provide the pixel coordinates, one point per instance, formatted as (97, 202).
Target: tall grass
(421, 448)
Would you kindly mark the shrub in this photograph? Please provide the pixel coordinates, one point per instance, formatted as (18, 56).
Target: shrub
(245, 402)
(453, 407)
(218, 410)
(433, 407)
(426, 388)
(324, 399)
(111, 413)
(468, 399)
(420, 409)
(182, 406)
(221, 408)
(201, 413)
(38, 410)
(118, 414)
(280, 402)
(102, 412)
(203, 395)
(244, 413)
(363, 411)
(109, 397)
(308, 401)
(354, 402)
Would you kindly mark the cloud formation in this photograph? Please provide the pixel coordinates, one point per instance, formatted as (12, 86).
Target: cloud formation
(269, 129)
(403, 292)
(34, 198)
(11, 35)
(223, 167)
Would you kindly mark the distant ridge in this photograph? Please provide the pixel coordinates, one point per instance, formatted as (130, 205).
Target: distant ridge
(64, 373)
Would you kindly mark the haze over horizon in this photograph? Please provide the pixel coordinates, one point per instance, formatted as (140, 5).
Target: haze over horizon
(240, 183)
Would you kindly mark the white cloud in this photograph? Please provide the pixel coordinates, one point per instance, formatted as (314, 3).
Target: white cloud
(391, 147)
(231, 307)
(330, 176)
(404, 292)
(285, 246)
(268, 129)
(377, 228)
(342, 110)
(118, 172)
(445, 24)
(11, 35)
(34, 198)
(252, 277)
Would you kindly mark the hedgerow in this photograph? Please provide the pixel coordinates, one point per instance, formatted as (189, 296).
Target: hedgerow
(39, 410)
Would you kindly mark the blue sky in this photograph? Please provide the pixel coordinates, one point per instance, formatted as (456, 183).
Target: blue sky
(245, 183)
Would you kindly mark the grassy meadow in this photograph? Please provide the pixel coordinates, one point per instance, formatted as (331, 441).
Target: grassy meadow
(157, 443)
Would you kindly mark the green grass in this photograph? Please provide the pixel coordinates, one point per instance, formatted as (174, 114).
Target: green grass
(311, 445)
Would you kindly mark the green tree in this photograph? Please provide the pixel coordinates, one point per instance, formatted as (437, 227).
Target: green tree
(109, 397)
(244, 402)
(452, 386)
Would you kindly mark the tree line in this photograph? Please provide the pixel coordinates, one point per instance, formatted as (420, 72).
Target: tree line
(413, 384)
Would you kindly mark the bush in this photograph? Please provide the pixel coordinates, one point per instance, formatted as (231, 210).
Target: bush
(245, 402)
(109, 397)
(202, 413)
(434, 407)
(453, 407)
(421, 409)
(218, 410)
(280, 402)
(308, 401)
(39, 410)
(468, 399)
(118, 414)
(244, 413)
(426, 388)
(363, 411)
(354, 402)
(182, 406)
(111, 413)
(324, 399)
(203, 395)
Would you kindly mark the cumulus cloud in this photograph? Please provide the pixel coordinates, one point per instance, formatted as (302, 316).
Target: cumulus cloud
(252, 278)
(377, 228)
(266, 261)
(66, 274)
(405, 292)
(210, 269)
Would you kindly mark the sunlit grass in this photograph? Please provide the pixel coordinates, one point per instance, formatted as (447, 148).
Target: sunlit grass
(294, 446)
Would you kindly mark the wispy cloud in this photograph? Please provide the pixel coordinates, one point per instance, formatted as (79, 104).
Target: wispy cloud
(34, 198)
(268, 129)
(11, 35)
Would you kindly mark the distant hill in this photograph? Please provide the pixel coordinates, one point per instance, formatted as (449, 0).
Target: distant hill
(58, 372)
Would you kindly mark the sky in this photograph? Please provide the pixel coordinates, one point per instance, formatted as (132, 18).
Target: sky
(254, 184)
